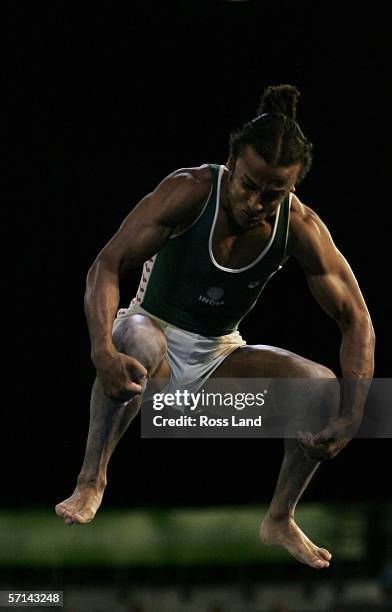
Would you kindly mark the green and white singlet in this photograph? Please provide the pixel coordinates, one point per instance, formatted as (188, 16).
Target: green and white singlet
(185, 286)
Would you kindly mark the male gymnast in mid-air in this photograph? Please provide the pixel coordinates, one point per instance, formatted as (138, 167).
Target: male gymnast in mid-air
(209, 239)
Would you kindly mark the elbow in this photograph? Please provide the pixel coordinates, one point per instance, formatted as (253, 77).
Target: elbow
(367, 326)
(98, 273)
(92, 274)
(102, 263)
(372, 333)
(361, 324)
(113, 263)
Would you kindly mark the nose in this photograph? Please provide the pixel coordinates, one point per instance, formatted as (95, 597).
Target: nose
(255, 203)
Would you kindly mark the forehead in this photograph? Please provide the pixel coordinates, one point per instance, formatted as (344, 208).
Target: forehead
(257, 169)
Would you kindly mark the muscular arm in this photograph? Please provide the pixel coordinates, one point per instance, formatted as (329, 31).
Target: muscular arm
(335, 288)
(144, 231)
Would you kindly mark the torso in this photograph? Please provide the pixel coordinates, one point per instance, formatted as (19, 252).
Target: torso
(184, 290)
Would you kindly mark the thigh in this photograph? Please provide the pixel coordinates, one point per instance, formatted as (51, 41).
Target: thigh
(299, 394)
(306, 396)
(263, 361)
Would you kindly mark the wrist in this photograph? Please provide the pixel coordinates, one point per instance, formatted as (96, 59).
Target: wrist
(99, 354)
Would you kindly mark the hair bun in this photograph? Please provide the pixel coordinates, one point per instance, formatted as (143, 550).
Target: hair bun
(279, 99)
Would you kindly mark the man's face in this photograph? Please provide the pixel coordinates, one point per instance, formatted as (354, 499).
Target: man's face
(255, 189)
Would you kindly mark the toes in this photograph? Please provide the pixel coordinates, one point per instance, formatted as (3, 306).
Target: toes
(72, 517)
(80, 518)
(62, 511)
(320, 563)
(321, 559)
(65, 514)
(325, 554)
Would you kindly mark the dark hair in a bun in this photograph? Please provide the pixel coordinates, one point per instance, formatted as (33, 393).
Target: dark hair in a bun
(281, 99)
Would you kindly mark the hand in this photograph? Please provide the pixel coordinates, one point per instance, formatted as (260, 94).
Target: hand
(122, 377)
(328, 442)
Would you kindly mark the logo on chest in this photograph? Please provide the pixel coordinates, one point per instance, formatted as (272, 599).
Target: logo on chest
(214, 296)
(254, 284)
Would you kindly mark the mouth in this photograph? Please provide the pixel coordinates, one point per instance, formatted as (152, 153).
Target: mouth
(250, 217)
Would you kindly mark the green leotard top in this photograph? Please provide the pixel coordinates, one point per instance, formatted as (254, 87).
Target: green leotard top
(185, 286)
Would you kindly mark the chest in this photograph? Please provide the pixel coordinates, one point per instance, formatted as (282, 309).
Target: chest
(237, 251)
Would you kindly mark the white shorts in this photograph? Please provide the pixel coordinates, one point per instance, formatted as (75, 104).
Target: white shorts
(192, 357)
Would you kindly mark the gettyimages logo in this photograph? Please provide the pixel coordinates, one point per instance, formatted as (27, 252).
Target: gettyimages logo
(214, 296)
(203, 399)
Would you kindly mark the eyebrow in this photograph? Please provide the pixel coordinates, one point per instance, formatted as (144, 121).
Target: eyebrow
(278, 185)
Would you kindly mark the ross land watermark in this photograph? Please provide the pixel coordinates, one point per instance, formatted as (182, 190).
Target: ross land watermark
(203, 420)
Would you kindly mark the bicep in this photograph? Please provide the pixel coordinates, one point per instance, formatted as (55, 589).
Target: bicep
(140, 236)
(328, 274)
(337, 291)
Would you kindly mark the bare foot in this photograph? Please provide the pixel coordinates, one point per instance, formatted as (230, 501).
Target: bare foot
(82, 506)
(286, 533)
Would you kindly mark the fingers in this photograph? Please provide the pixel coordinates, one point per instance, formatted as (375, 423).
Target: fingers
(312, 449)
(121, 392)
(305, 438)
(319, 453)
(126, 393)
(136, 368)
(134, 388)
(325, 435)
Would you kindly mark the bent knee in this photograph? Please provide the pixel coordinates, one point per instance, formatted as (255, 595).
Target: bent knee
(321, 371)
(141, 337)
(305, 368)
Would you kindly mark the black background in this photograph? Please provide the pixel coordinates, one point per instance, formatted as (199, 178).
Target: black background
(102, 103)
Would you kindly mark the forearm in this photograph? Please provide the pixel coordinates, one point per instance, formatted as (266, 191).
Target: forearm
(101, 301)
(357, 365)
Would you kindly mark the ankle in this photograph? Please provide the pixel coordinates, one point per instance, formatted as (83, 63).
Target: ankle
(97, 482)
(280, 516)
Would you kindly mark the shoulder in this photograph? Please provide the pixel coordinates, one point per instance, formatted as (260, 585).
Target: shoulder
(181, 194)
(309, 238)
(301, 215)
(187, 181)
(305, 224)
